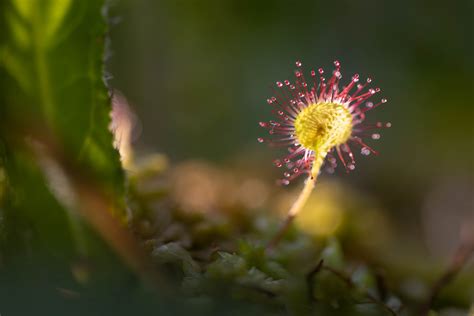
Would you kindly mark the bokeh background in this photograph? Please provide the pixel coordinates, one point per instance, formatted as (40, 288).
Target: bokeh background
(197, 74)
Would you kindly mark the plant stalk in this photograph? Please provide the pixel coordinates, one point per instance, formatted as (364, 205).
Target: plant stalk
(299, 203)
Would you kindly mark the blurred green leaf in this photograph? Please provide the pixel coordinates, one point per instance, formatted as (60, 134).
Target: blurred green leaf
(54, 139)
(363, 279)
(227, 266)
(333, 255)
(332, 289)
(51, 58)
(174, 253)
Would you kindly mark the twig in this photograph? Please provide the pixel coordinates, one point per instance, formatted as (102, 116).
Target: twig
(381, 286)
(369, 296)
(347, 280)
(340, 275)
(310, 276)
(459, 259)
(281, 232)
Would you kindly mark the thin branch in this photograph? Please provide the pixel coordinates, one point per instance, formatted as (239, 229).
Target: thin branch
(310, 276)
(347, 280)
(459, 259)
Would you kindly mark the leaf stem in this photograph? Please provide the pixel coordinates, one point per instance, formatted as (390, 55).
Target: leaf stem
(299, 203)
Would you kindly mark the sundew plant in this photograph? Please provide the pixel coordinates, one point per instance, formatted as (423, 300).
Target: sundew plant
(317, 122)
(131, 182)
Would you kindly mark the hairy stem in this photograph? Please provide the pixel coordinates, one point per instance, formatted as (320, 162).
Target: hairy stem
(299, 203)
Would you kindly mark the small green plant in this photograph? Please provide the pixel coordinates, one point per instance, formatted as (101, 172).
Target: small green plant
(317, 122)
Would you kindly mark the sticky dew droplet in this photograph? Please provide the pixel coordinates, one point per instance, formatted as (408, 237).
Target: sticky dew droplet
(365, 151)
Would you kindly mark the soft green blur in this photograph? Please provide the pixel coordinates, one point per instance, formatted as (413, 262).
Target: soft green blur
(198, 73)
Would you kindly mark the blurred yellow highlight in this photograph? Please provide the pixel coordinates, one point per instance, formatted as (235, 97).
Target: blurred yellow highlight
(323, 214)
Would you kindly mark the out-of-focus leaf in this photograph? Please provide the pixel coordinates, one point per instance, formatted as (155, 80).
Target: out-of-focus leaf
(55, 145)
(363, 279)
(258, 279)
(332, 254)
(51, 59)
(332, 289)
(174, 253)
(227, 266)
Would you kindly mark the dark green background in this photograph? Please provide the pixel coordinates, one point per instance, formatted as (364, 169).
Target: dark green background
(198, 74)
